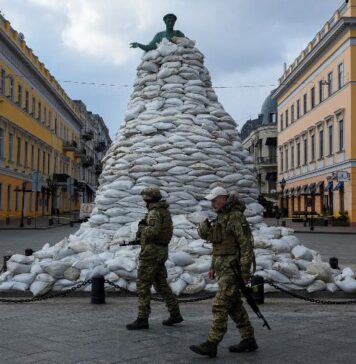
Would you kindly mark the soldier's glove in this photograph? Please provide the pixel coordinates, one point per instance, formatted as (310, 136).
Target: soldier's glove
(142, 222)
(204, 227)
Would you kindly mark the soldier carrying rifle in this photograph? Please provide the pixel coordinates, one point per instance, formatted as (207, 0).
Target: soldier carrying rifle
(232, 252)
(154, 234)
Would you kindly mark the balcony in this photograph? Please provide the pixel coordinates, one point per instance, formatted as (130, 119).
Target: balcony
(266, 161)
(98, 169)
(87, 161)
(87, 135)
(100, 146)
(60, 179)
(80, 153)
(70, 146)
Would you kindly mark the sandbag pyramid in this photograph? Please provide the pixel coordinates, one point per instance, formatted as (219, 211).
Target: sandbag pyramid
(178, 137)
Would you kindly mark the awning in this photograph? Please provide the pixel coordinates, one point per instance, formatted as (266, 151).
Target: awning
(311, 188)
(91, 188)
(271, 176)
(329, 186)
(339, 186)
(318, 186)
(297, 191)
(271, 141)
(304, 190)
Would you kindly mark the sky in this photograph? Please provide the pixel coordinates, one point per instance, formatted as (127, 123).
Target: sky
(245, 43)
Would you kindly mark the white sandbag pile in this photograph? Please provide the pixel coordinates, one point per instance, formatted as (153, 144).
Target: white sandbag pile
(178, 137)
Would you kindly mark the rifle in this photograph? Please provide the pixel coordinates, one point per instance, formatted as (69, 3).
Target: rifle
(247, 293)
(132, 242)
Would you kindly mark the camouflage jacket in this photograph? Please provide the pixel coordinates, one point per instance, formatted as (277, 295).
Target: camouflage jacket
(230, 235)
(158, 229)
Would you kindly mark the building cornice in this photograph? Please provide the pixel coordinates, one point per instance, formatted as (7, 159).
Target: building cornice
(333, 34)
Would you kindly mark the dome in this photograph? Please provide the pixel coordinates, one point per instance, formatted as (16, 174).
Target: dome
(269, 107)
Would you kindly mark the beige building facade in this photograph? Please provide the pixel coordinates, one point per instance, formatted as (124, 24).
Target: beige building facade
(316, 100)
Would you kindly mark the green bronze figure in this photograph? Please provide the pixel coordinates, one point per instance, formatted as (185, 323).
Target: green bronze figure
(169, 33)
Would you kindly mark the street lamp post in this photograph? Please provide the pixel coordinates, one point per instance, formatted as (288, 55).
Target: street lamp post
(283, 185)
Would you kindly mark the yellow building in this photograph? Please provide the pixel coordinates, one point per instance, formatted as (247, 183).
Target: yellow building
(39, 132)
(316, 100)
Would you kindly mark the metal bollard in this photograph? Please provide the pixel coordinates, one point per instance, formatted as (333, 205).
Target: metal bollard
(258, 290)
(97, 290)
(334, 263)
(6, 258)
(28, 252)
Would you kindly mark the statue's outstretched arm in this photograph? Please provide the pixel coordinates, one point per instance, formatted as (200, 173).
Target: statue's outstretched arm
(149, 46)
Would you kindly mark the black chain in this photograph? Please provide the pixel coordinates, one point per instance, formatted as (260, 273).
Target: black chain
(126, 293)
(313, 300)
(48, 296)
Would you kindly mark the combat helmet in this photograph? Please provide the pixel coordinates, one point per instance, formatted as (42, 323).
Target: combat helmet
(151, 194)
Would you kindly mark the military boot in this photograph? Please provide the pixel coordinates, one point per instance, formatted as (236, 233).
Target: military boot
(245, 345)
(173, 319)
(209, 349)
(138, 324)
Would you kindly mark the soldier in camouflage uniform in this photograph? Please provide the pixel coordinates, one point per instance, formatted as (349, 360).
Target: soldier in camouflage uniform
(232, 244)
(154, 233)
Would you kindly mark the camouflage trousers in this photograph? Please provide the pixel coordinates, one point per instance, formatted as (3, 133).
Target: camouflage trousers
(152, 271)
(227, 302)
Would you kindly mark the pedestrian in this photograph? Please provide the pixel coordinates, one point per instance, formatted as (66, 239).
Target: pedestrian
(232, 244)
(154, 233)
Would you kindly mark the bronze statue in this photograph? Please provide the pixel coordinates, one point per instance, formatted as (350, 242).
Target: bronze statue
(169, 33)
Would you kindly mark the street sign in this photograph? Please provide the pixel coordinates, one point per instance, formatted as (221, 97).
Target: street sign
(342, 176)
(36, 181)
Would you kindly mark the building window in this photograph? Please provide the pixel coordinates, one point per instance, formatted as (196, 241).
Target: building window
(330, 83)
(45, 115)
(330, 139)
(55, 126)
(9, 190)
(312, 148)
(12, 89)
(34, 107)
(32, 157)
(0, 196)
(281, 160)
(27, 101)
(292, 156)
(298, 154)
(11, 147)
(18, 151)
(2, 142)
(292, 113)
(39, 112)
(341, 135)
(17, 199)
(298, 109)
(48, 163)
(321, 91)
(312, 97)
(305, 110)
(50, 119)
(44, 162)
(38, 158)
(321, 144)
(272, 117)
(19, 95)
(340, 73)
(281, 123)
(3, 82)
(26, 154)
(287, 118)
(287, 164)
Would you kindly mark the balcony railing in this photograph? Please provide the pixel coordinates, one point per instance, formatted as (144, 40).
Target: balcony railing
(70, 146)
(266, 160)
(87, 134)
(87, 161)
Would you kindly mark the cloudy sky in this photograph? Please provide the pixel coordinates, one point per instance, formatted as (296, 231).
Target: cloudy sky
(245, 43)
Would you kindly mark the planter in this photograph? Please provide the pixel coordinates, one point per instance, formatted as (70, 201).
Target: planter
(340, 223)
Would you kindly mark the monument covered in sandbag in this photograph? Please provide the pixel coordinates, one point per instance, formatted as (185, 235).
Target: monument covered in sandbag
(176, 136)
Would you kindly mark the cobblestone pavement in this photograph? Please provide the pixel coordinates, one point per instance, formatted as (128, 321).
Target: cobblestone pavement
(70, 330)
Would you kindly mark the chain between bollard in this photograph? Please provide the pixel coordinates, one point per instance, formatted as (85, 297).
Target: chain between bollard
(126, 293)
(48, 296)
(309, 299)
